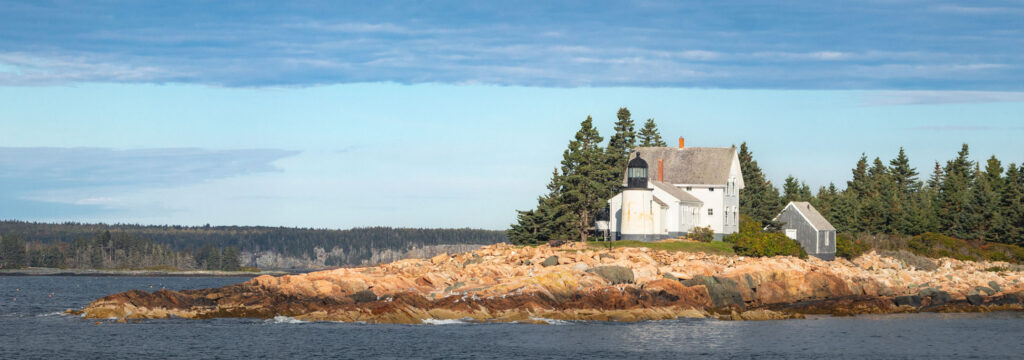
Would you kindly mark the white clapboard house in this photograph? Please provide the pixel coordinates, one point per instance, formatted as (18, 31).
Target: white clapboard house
(671, 190)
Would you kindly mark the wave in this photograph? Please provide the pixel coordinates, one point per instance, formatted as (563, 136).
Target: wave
(285, 320)
(550, 321)
(444, 322)
(55, 313)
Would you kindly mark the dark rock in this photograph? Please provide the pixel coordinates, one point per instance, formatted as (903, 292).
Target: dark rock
(669, 276)
(724, 292)
(985, 289)
(908, 300)
(551, 261)
(614, 274)
(974, 299)
(1008, 299)
(363, 296)
(556, 243)
(938, 297)
(995, 286)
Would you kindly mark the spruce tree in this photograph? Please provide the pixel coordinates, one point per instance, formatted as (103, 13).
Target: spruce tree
(585, 187)
(1012, 206)
(758, 199)
(650, 136)
(826, 200)
(904, 175)
(860, 185)
(621, 144)
(795, 190)
(548, 221)
(987, 203)
(954, 197)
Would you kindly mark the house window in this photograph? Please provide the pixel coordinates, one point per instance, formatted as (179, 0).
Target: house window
(689, 188)
(711, 212)
(711, 189)
(826, 238)
(791, 233)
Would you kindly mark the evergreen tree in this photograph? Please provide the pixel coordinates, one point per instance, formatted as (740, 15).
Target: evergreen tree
(795, 190)
(758, 199)
(585, 187)
(860, 185)
(621, 144)
(1012, 206)
(986, 203)
(549, 221)
(826, 200)
(650, 136)
(935, 180)
(954, 197)
(904, 175)
(12, 252)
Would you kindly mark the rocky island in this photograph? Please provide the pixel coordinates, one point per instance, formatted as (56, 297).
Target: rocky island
(506, 283)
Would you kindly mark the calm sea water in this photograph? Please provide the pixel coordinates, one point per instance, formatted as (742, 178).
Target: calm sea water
(31, 327)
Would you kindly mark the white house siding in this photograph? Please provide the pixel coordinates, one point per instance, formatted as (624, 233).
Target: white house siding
(714, 200)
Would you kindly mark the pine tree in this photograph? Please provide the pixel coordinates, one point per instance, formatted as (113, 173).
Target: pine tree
(860, 185)
(987, 204)
(881, 208)
(548, 221)
(826, 200)
(904, 175)
(1012, 206)
(12, 252)
(954, 197)
(585, 186)
(650, 136)
(621, 144)
(758, 199)
(795, 190)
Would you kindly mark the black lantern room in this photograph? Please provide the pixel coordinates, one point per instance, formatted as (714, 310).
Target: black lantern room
(636, 173)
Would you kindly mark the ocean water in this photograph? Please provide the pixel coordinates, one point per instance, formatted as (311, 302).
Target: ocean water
(32, 326)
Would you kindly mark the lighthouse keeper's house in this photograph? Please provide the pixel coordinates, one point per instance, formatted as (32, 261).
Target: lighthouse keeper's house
(671, 190)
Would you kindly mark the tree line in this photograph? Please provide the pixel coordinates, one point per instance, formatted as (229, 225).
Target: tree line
(76, 245)
(589, 175)
(961, 198)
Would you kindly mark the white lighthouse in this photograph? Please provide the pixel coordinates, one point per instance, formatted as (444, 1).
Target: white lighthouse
(637, 204)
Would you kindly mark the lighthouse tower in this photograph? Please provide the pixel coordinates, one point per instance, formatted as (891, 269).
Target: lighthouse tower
(637, 221)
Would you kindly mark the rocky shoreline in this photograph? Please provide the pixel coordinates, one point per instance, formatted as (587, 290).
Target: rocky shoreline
(504, 283)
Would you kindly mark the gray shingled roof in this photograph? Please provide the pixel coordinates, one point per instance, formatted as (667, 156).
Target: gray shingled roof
(677, 193)
(657, 200)
(696, 165)
(819, 222)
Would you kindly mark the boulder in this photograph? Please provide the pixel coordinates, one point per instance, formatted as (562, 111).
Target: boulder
(938, 297)
(995, 286)
(724, 292)
(363, 296)
(908, 300)
(984, 289)
(974, 299)
(614, 274)
(550, 261)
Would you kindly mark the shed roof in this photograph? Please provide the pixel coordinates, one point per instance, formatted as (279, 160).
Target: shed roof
(696, 165)
(677, 193)
(812, 215)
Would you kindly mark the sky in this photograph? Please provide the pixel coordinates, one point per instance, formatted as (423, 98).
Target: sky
(454, 113)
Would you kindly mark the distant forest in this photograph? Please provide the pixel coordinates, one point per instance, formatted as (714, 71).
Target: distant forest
(76, 245)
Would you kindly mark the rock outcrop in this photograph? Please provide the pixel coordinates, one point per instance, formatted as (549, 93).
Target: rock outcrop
(574, 282)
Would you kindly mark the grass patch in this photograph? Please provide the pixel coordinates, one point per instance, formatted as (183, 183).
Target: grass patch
(714, 247)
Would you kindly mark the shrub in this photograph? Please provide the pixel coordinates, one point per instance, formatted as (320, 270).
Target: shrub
(761, 244)
(847, 247)
(703, 234)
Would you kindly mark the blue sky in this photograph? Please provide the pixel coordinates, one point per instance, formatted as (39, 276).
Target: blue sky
(454, 113)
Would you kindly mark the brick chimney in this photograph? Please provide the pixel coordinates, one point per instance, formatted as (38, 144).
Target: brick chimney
(661, 170)
(681, 142)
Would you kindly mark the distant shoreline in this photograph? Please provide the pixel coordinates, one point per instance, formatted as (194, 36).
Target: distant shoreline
(143, 273)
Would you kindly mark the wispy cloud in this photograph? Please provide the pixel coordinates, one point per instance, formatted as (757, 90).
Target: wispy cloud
(747, 45)
(891, 98)
(89, 176)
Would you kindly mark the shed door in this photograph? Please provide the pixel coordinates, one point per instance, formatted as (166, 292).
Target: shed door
(791, 233)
